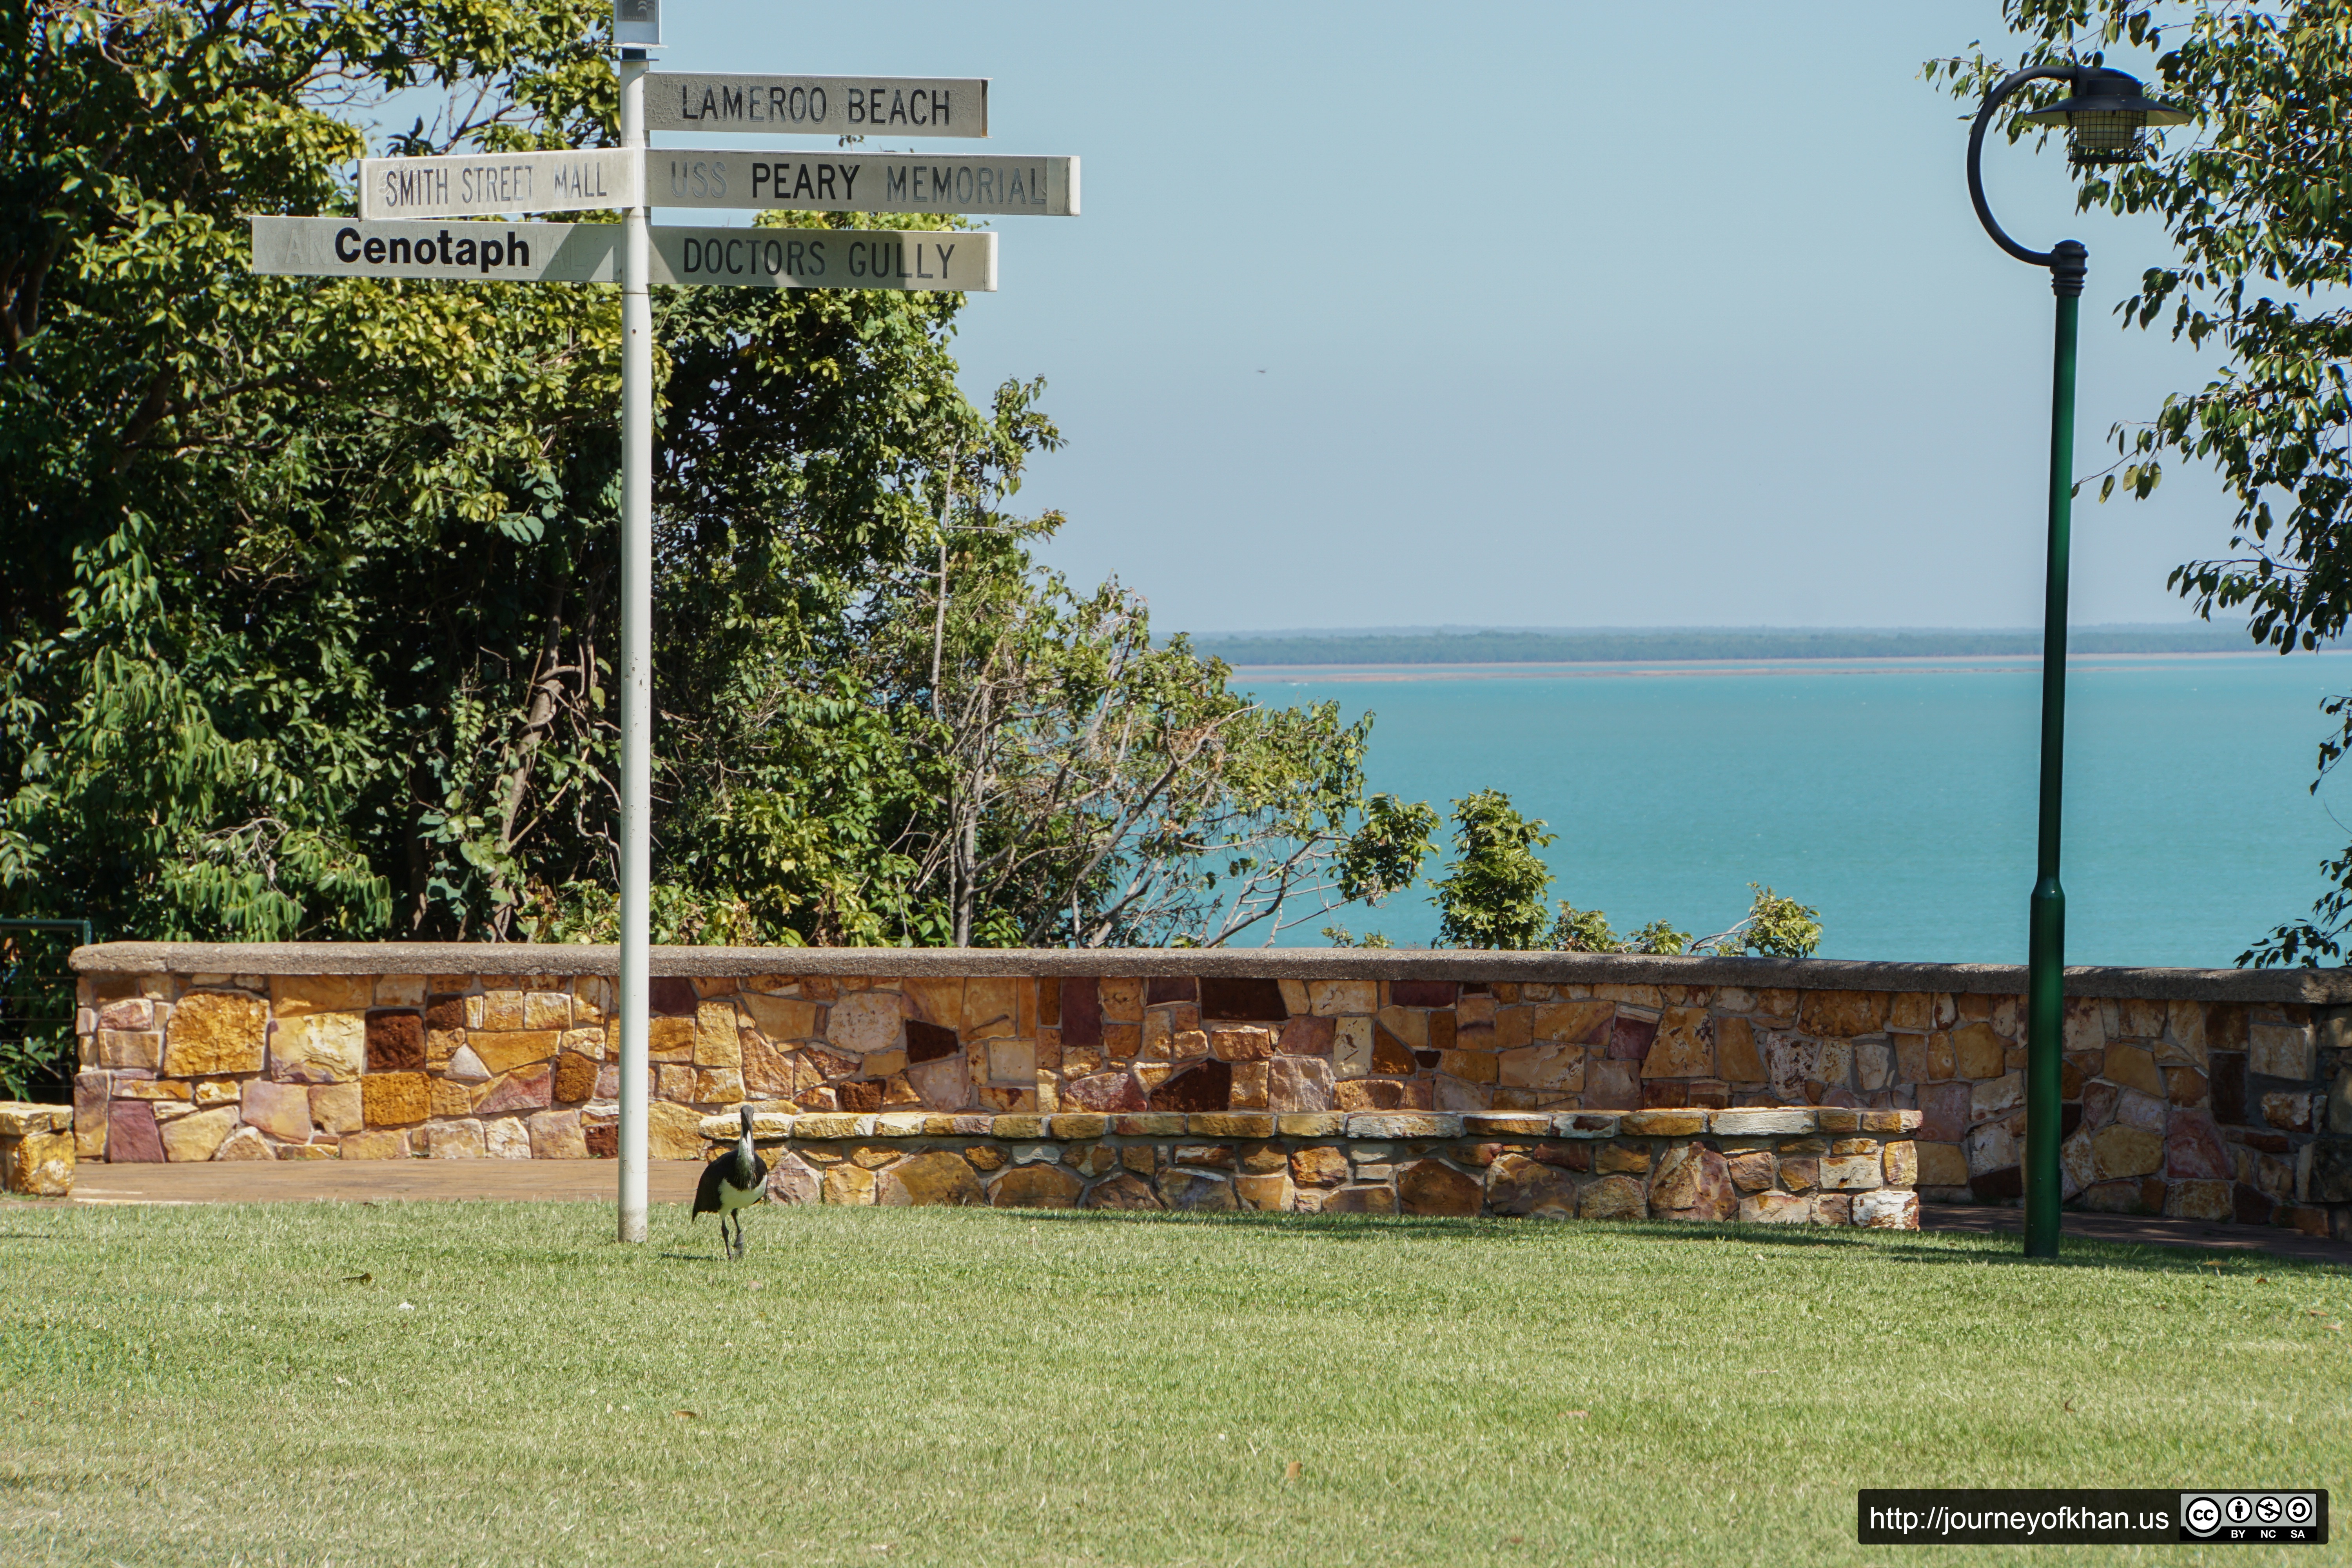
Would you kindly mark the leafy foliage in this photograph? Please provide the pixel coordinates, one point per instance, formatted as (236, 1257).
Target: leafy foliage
(1583, 931)
(1102, 790)
(1034, 769)
(1775, 927)
(1494, 896)
(312, 582)
(2252, 196)
(36, 1014)
(252, 675)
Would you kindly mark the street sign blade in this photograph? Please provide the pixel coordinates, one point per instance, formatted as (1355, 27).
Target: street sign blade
(483, 184)
(907, 260)
(862, 182)
(818, 105)
(476, 252)
(914, 260)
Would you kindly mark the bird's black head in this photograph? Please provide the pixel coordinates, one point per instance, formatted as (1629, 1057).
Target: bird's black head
(746, 1112)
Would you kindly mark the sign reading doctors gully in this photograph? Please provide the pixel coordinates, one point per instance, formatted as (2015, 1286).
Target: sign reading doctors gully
(818, 105)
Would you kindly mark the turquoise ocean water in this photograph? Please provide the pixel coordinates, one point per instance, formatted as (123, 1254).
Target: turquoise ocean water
(1897, 798)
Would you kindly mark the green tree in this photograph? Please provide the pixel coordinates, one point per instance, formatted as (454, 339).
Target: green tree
(1583, 931)
(2252, 195)
(1043, 773)
(1773, 927)
(311, 605)
(1589, 931)
(1493, 895)
(210, 482)
(1101, 790)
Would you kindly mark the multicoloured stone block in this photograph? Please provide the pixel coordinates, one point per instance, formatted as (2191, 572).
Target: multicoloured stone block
(36, 1149)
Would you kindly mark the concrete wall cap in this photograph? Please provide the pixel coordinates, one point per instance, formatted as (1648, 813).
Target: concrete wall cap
(2320, 987)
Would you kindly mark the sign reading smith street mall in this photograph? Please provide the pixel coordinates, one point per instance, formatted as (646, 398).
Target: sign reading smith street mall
(916, 260)
(480, 184)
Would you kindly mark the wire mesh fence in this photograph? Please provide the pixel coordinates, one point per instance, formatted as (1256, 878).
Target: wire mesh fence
(37, 1008)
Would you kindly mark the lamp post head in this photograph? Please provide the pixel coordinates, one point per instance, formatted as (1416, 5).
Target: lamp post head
(2105, 117)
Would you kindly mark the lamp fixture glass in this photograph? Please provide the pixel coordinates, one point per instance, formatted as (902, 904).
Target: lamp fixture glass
(2107, 117)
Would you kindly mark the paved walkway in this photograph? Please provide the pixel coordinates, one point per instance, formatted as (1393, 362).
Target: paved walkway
(379, 1180)
(672, 1181)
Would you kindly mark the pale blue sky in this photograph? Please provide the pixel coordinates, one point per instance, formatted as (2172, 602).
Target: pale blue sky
(1529, 315)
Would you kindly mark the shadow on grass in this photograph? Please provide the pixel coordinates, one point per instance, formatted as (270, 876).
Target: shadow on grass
(1970, 1248)
(2143, 1257)
(1365, 1227)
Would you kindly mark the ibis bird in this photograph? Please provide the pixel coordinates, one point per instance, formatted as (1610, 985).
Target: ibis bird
(736, 1178)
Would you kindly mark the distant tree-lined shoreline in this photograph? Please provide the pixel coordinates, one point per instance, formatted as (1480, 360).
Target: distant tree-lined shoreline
(1675, 644)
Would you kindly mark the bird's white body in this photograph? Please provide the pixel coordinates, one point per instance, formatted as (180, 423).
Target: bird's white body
(735, 1180)
(733, 1197)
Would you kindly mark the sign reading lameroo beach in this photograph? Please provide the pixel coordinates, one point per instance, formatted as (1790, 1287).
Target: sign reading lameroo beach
(818, 105)
(917, 261)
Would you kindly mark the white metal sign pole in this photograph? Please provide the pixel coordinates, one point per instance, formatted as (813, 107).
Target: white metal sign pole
(636, 667)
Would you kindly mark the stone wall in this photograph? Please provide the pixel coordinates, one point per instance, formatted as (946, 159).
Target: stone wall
(1775, 1167)
(2215, 1094)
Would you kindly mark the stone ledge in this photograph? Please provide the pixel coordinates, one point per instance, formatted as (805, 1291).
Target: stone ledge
(775, 1126)
(1652, 1164)
(2309, 986)
(22, 1118)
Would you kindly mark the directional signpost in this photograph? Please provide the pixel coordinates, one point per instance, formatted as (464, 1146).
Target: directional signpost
(399, 233)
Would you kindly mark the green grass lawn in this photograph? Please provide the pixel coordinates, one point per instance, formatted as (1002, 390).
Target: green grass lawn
(211, 1384)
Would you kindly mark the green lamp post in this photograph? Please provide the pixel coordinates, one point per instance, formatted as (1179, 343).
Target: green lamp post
(2106, 119)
